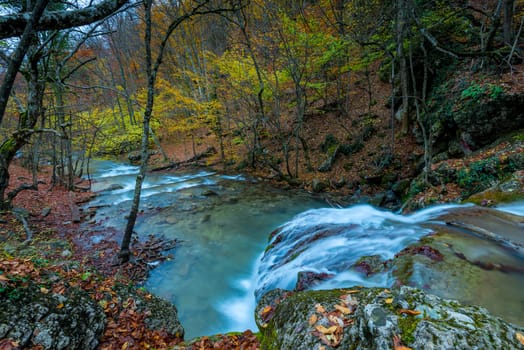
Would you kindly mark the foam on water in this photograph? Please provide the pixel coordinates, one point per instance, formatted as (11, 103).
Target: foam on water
(331, 240)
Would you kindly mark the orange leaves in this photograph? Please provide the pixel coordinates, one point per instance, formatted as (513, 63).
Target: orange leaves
(409, 312)
(247, 341)
(345, 310)
(18, 268)
(520, 337)
(328, 326)
(4, 278)
(313, 319)
(126, 328)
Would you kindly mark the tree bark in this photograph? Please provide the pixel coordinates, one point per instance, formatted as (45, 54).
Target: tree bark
(14, 25)
(28, 30)
(508, 21)
(125, 253)
(403, 71)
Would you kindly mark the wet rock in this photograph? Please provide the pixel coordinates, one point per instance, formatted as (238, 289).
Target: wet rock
(376, 317)
(424, 250)
(369, 265)
(53, 321)
(309, 279)
(507, 191)
(209, 193)
(318, 185)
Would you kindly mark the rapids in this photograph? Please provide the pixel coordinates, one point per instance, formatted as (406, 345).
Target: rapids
(224, 258)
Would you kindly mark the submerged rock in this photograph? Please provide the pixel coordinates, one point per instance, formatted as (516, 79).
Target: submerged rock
(375, 318)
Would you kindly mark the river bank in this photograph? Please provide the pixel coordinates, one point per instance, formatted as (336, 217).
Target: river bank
(54, 216)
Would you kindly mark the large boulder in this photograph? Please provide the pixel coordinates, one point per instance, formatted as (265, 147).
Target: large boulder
(467, 114)
(33, 316)
(376, 318)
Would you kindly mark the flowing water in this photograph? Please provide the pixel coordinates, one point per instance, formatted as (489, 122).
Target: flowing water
(224, 223)
(473, 269)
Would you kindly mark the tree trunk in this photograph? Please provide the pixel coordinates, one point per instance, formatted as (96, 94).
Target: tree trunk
(403, 71)
(26, 123)
(508, 21)
(19, 54)
(124, 253)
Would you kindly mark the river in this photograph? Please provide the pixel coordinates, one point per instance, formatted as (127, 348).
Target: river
(224, 223)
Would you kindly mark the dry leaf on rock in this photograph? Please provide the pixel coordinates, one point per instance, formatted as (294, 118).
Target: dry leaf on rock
(520, 337)
(319, 308)
(345, 310)
(325, 330)
(313, 319)
(409, 312)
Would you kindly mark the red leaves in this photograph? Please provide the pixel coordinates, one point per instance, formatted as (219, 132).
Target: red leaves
(8, 344)
(126, 328)
(245, 341)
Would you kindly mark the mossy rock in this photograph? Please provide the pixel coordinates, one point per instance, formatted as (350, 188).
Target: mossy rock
(511, 190)
(372, 318)
(161, 314)
(33, 318)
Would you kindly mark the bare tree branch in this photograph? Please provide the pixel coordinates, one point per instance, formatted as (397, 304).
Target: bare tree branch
(13, 25)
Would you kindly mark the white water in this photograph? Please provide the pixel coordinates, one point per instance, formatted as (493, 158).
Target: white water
(220, 263)
(332, 240)
(211, 278)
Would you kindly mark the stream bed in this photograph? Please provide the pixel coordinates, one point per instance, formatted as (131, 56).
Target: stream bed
(223, 260)
(223, 224)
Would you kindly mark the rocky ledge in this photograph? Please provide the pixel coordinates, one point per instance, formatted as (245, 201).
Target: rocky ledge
(377, 318)
(69, 318)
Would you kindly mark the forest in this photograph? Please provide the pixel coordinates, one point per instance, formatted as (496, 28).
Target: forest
(401, 104)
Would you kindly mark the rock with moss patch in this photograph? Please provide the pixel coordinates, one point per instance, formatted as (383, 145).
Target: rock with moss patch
(34, 317)
(161, 314)
(373, 318)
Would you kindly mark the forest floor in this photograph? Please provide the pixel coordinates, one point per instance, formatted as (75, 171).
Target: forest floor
(54, 216)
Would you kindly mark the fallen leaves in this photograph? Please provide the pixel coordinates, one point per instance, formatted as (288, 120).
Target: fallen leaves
(409, 312)
(246, 341)
(345, 310)
(329, 326)
(8, 344)
(313, 319)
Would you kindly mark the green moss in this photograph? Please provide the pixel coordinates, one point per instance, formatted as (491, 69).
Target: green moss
(8, 146)
(404, 268)
(495, 197)
(408, 325)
